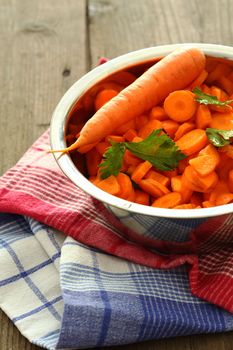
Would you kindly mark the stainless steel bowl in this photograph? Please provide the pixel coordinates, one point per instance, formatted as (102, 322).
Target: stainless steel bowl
(169, 230)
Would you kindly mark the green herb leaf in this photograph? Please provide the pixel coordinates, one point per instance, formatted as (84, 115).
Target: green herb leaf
(208, 99)
(158, 149)
(219, 138)
(113, 159)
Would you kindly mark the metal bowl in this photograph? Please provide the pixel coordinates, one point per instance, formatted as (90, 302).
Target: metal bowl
(169, 230)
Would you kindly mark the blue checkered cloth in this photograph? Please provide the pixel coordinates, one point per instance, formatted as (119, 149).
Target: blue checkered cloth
(61, 294)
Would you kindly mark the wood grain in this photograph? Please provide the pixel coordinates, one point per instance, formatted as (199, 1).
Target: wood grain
(47, 45)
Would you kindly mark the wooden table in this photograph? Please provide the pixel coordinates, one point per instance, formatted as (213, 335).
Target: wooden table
(47, 45)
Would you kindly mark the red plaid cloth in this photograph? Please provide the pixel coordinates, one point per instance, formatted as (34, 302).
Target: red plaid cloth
(36, 187)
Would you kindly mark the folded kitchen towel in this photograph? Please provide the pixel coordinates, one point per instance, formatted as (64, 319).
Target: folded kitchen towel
(72, 292)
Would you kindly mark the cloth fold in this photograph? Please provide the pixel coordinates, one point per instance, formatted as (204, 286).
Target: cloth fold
(153, 295)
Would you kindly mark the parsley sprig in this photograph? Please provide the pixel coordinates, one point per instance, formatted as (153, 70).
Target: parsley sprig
(206, 99)
(219, 138)
(159, 149)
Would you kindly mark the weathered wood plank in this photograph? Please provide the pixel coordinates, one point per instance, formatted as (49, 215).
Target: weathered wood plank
(43, 51)
(119, 26)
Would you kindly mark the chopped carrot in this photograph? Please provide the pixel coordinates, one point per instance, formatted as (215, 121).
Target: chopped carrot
(230, 180)
(185, 206)
(192, 142)
(102, 147)
(224, 167)
(223, 121)
(226, 84)
(140, 121)
(110, 185)
(183, 129)
(170, 173)
(114, 138)
(180, 105)
(206, 89)
(130, 159)
(147, 129)
(130, 134)
(152, 174)
(126, 126)
(206, 162)
(170, 127)
(169, 200)
(224, 198)
(140, 171)
(142, 197)
(203, 117)
(126, 187)
(158, 113)
(221, 69)
(103, 97)
(221, 96)
(221, 187)
(93, 159)
(130, 169)
(177, 185)
(228, 150)
(199, 183)
(153, 187)
(199, 80)
(208, 204)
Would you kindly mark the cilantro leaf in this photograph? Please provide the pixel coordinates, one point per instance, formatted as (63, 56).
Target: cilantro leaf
(219, 138)
(206, 99)
(113, 159)
(158, 149)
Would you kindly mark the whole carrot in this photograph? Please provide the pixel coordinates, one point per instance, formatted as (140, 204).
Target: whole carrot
(175, 71)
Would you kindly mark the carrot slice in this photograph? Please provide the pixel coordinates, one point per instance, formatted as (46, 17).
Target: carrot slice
(147, 129)
(177, 185)
(185, 206)
(183, 129)
(142, 197)
(126, 187)
(153, 187)
(152, 174)
(180, 105)
(141, 171)
(130, 159)
(228, 150)
(199, 183)
(226, 84)
(224, 198)
(114, 138)
(192, 142)
(170, 126)
(220, 70)
(102, 147)
(158, 113)
(169, 200)
(109, 185)
(208, 204)
(221, 96)
(130, 134)
(103, 97)
(203, 117)
(223, 121)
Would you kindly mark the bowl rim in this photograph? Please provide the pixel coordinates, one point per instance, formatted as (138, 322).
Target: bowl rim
(78, 89)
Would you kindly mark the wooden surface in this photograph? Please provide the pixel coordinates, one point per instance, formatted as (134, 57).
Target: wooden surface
(46, 45)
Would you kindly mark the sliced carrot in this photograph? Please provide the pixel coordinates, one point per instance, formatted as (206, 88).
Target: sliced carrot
(114, 138)
(183, 129)
(152, 174)
(109, 185)
(180, 105)
(228, 150)
(153, 187)
(199, 80)
(158, 113)
(147, 129)
(125, 127)
(226, 84)
(130, 159)
(170, 126)
(221, 96)
(185, 206)
(93, 159)
(192, 142)
(230, 180)
(130, 134)
(221, 69)
(203, 117)
(224, 167)
(170, 173)
(126, 187)
(206, 89)
(169, 200)
(130, 169)
(206, 161)
(199, 183)
(141, 171)
(208, 204)
(140, 121)
(224, 198)
(221, 187)
(102, 147)
(223, 121)
(142, 197)
(177, 185)
(103, 97)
